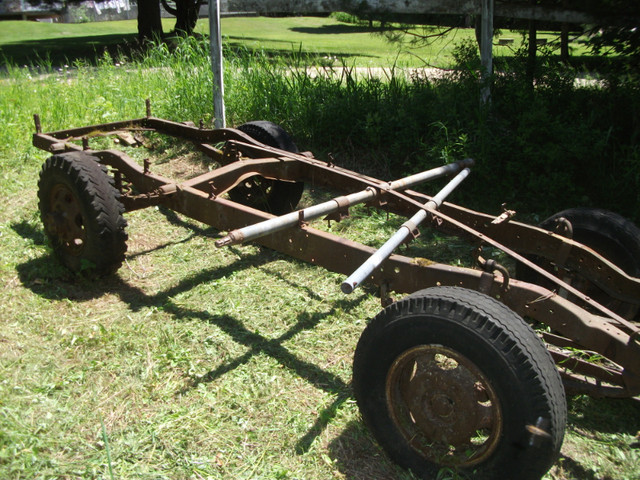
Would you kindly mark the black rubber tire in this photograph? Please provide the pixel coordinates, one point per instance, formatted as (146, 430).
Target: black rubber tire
(82, 214)
(612, 236)
(273, 196)
(486, 342)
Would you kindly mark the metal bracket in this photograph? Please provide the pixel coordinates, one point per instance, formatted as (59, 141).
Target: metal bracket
(486, 282)
(342, 212)
(505, 216)
(379, 200)
(212, 191)
(385, 299)
(413, 231)
(491, 266)
(301, 221)
(564, 229)
(36, 121)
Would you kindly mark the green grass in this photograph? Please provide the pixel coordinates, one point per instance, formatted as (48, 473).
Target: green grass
(331, 41)
(194, 362)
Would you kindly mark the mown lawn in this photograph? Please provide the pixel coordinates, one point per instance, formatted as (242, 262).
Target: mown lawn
(332, 41)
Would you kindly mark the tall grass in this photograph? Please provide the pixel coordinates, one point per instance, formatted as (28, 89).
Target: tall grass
(540, 150)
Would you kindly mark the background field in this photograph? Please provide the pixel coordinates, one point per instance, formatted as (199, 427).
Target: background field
(194, 362)
(325, 38)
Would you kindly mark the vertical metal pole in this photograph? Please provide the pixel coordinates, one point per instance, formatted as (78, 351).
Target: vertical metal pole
(486, 48)
(215, 40)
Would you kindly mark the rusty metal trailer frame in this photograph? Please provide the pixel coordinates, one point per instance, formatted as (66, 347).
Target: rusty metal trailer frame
(577, 321)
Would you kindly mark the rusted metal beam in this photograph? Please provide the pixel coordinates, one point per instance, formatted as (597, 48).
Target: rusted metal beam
(529, 239)
(527, 262)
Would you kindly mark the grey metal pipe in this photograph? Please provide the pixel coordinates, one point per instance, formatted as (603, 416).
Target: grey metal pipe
(260, 229)
(449, 169)
(375, 260)
(266, 227)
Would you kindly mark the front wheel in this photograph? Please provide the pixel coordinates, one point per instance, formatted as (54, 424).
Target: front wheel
(451, 378)
(82, 213)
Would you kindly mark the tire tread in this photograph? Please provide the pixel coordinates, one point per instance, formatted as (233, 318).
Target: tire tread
(96, 191)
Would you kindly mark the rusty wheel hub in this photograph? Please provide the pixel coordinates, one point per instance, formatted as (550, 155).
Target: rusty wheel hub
(65, 222)
(443, 405)
(253, 192)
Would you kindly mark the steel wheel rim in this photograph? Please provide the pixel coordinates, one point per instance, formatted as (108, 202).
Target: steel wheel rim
(253, 192)
(443, 406)
(65, 221)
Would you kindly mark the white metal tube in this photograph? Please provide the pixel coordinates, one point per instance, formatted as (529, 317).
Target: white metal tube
(266, 227)
(260, 229)
(375, 260)
(448, 188)
(437, 172)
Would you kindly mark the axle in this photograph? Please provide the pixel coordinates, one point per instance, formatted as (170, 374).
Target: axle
(283, 222)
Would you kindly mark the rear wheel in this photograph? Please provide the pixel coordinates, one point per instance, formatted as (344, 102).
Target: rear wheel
(273, 196)
(82, 213)
(452, 378)
(611, 235)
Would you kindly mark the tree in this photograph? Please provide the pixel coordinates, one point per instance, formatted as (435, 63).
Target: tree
(186, 13)
(149, 20)
(149, 14)
(622, 38)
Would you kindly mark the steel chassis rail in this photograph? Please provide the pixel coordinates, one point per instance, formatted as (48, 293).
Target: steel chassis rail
(201, 198)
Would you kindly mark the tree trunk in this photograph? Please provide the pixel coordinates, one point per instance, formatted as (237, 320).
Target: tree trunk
(533, 48)
(187, 12)
(564, 42)
(149, 21)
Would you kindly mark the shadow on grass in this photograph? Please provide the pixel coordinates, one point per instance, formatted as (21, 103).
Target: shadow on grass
(26, 230)
(339, 29)
(605, 415)
(590, 418)
(291, 53)
(354, 452)
(570, 466)
(45, 277)
(57, 52)
(358, 457)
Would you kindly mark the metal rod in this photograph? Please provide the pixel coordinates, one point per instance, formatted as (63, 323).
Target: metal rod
(277, 224)
(36, 119)
(486, 49)
(215, 42)
(407, 228)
